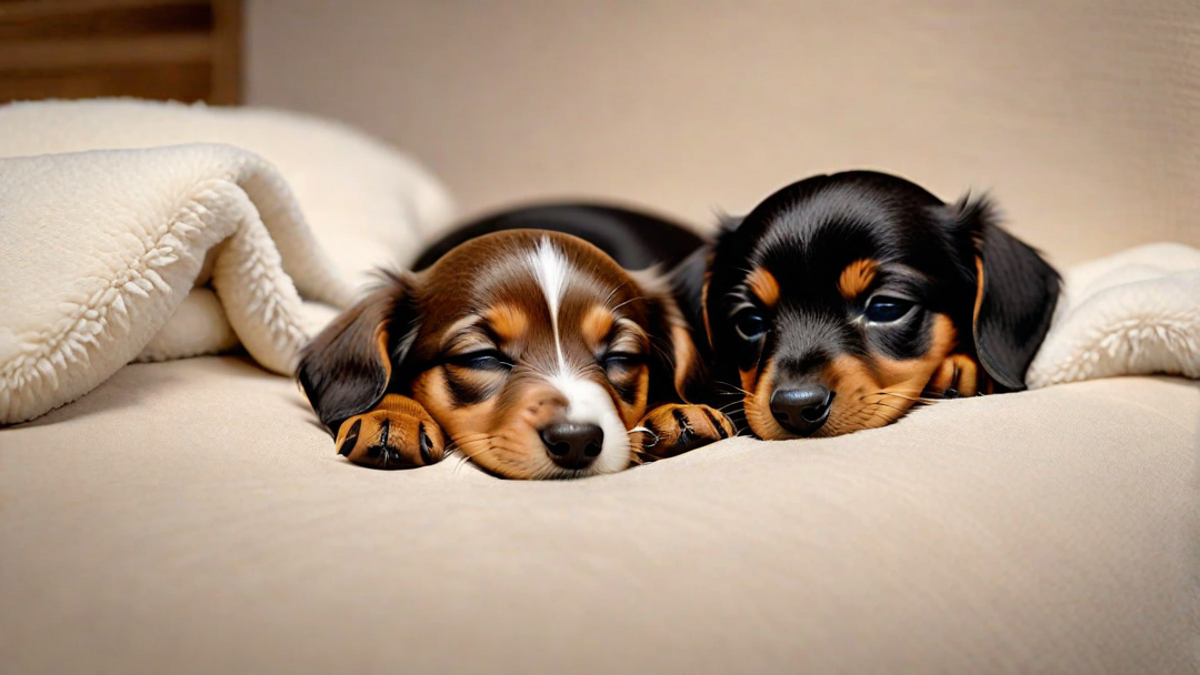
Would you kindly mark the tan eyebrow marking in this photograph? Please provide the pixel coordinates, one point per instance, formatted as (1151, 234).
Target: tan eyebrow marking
(596, 324)
(857, 278)
(508, 322)
(763, 284)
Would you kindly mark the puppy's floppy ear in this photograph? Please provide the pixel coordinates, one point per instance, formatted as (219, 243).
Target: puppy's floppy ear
(346, 369)
(677, 370)
(1016, 292)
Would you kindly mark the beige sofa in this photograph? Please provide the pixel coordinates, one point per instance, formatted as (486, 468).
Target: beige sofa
(191, 516)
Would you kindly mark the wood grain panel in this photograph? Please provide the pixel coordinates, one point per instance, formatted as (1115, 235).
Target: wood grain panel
(186, 50)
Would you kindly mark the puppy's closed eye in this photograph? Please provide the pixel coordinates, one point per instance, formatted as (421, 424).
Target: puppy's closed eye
(484, 359)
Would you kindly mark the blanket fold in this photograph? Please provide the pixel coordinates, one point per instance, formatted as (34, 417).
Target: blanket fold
(1136, 312)
(103, 259)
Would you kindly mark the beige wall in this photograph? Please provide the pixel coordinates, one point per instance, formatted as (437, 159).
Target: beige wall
(1083, 117)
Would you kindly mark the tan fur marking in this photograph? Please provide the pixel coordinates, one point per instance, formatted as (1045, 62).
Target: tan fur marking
(749, 378)
(381, 342)
(758, 405)
(498, 440)
(669, 437)
(857, 278)
(764, 285)
(978, 289)
(867, 395)
(960, 373)
(686, 364)
(390, 435)
(596, 325)
(944, 340)
(509, 323)
(631, 412)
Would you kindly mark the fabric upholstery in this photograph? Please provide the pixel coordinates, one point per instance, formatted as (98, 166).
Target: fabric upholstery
(191, 517)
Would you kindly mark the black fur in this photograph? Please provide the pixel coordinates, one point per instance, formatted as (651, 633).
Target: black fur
(808, 232)
(635, 239)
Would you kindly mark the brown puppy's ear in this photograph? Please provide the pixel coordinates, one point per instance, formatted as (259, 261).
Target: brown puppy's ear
(677, 369)
(1016, 292)
(346, 369)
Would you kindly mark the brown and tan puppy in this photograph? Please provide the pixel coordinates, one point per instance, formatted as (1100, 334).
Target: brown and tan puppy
(533, 353)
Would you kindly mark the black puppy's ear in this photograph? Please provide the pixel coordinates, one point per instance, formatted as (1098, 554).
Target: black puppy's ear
(346, 369)
(728, 223)
(677, 369)
(1016, 293)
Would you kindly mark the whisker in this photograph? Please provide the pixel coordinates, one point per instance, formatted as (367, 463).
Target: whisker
(914, 399)
(622, 304)
(890, 407)
(732, 387)
(731, 404)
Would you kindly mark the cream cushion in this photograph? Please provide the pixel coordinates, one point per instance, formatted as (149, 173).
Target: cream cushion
(190, 517)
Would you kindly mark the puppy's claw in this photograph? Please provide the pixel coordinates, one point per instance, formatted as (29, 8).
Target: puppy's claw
(397, 434)
(958, 376)
(674, 429)
(349, 439)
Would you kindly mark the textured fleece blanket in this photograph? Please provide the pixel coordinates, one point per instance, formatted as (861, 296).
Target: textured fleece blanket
(163, 253)
(1133, 313)
(184, 233)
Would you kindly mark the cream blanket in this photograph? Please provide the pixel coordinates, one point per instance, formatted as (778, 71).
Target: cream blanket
(136, 230)
(110, 255)
(1133, 313)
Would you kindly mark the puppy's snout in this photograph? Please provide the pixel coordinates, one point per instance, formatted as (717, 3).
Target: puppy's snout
(572, 445)
(803, 409)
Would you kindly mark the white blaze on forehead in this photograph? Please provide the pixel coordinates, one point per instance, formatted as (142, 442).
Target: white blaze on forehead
(587, 401)
(551, 268)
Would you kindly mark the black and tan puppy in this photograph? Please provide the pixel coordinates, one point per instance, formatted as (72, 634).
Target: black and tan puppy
(842, 300)
(534, 353)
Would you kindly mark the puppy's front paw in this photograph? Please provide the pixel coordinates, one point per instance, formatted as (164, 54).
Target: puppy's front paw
(959, 375)
(674, 429)
(397, 434)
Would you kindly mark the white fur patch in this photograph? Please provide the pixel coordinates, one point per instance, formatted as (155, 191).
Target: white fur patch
(551, 269)
(589, 403)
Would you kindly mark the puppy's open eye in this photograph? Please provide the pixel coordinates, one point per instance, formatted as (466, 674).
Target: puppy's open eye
(486, 359)
(750, 325)
(886, 309)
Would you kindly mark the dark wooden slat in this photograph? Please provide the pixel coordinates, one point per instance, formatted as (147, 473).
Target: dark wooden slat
(87, 19)
(180, 82)
(185, 50)
(226, 52)
(55, 54)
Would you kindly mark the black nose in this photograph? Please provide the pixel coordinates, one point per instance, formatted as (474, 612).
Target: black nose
(802, 410)
(573, 446)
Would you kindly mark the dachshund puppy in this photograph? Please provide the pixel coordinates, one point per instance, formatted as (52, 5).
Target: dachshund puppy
(533, 352)
(842, 300)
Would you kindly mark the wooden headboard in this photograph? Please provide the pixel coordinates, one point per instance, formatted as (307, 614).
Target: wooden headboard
(186, 50)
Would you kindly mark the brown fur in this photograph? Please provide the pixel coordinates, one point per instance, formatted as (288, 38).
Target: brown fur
(673, 429)
(484, 298)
